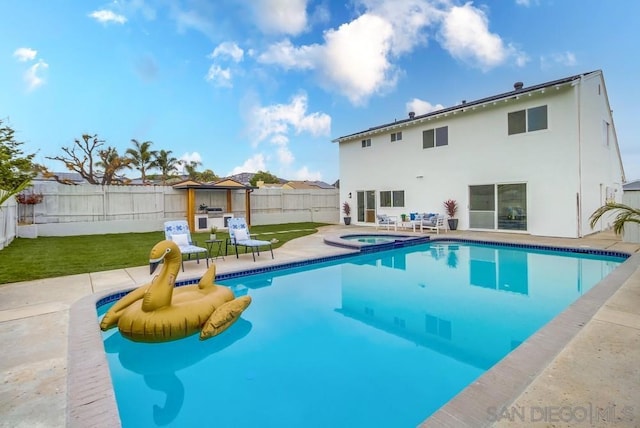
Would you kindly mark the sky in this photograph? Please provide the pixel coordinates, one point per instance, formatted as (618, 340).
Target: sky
(243, 86)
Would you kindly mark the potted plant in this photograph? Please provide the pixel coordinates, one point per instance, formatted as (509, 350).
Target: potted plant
(451, 208)
(346, 209)
(212, 233)
(403, 217)
(203, 208)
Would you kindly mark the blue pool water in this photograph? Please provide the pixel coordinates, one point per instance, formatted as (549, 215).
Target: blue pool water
(371, 239)
(382, 339)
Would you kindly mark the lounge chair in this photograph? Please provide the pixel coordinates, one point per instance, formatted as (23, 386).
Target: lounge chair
(239, 236)
(178, 231)
(385, 220)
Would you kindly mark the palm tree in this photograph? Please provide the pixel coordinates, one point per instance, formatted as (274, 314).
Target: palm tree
(141, 157)
(165, 163)
(191, 169)
(625, 214)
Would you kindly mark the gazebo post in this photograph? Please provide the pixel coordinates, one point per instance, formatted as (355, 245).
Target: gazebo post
(191, 212)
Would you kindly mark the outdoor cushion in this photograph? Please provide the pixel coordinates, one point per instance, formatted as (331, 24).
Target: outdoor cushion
(181, 239)
(241, 234)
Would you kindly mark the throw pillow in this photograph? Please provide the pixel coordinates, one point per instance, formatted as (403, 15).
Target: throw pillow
(241, 234)
(181, 239)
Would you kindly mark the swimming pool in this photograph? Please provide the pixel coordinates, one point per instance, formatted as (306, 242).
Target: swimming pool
(381, 339)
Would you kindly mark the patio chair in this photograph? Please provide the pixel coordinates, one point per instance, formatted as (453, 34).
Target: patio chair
(432, 222)
(387, 221)
(178, 231)
(239, 236)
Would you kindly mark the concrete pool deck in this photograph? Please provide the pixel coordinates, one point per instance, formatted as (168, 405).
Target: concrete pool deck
(586, 358)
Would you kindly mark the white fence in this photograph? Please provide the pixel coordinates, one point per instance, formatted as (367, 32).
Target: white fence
(89, 209)
(8, 222)
(631, 230)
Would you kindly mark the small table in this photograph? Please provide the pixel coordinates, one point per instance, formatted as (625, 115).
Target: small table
(409, 224)
(210, 243)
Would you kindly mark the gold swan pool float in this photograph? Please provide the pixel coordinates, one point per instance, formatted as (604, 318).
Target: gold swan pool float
(158, 312)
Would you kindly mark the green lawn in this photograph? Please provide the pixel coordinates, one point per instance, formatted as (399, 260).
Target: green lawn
(47, 257)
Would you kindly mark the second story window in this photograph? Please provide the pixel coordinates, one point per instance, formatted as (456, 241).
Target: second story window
(396, 136)
(532, 119)
(435, 137)
(366, 143)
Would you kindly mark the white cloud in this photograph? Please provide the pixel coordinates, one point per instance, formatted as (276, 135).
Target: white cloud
(527, 3)
(521, 59)
(465, 34)
(33, 76)
(280, 16)
(285, 157)
(228, 49)
(355, 58)
(419, 106)
(25, 54)
(304, 174)
(254, 164)
(408, 18)
(275, 121)
(287, 56)
(194, 20)
(219, 76)
(191, 157)
(565, 59)
(106, 16)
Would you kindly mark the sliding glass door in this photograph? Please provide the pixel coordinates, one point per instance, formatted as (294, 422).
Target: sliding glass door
(498, 206)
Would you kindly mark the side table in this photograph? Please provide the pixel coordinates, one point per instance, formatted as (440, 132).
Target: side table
(210, 243)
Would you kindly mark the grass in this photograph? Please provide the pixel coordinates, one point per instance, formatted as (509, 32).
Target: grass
(48, 257)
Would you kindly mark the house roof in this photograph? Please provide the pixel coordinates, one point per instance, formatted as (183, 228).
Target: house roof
(632, 185)
(70, 177)
(465, 105)
(308, 185)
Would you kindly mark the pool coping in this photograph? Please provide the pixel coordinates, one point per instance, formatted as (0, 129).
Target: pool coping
(91, 398)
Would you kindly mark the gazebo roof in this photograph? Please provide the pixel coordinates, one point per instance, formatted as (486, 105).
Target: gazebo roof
(225, 184)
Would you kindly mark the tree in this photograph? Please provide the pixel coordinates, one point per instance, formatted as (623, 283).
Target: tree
(207, 175)
(16, 169)
(264, 176)
(141, 157)
(191, 168)
(625, 214)
(165, 163)
(111, 163)
(81, 158)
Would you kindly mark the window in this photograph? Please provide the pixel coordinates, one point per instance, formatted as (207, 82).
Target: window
(521, 121)
(389, 198)
(366, 143)
(396, 136)
(435, 137)
(498, 206)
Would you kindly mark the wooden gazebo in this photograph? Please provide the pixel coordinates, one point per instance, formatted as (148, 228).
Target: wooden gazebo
(225, 185)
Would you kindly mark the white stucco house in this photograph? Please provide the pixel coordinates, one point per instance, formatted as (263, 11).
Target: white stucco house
(536, 160)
